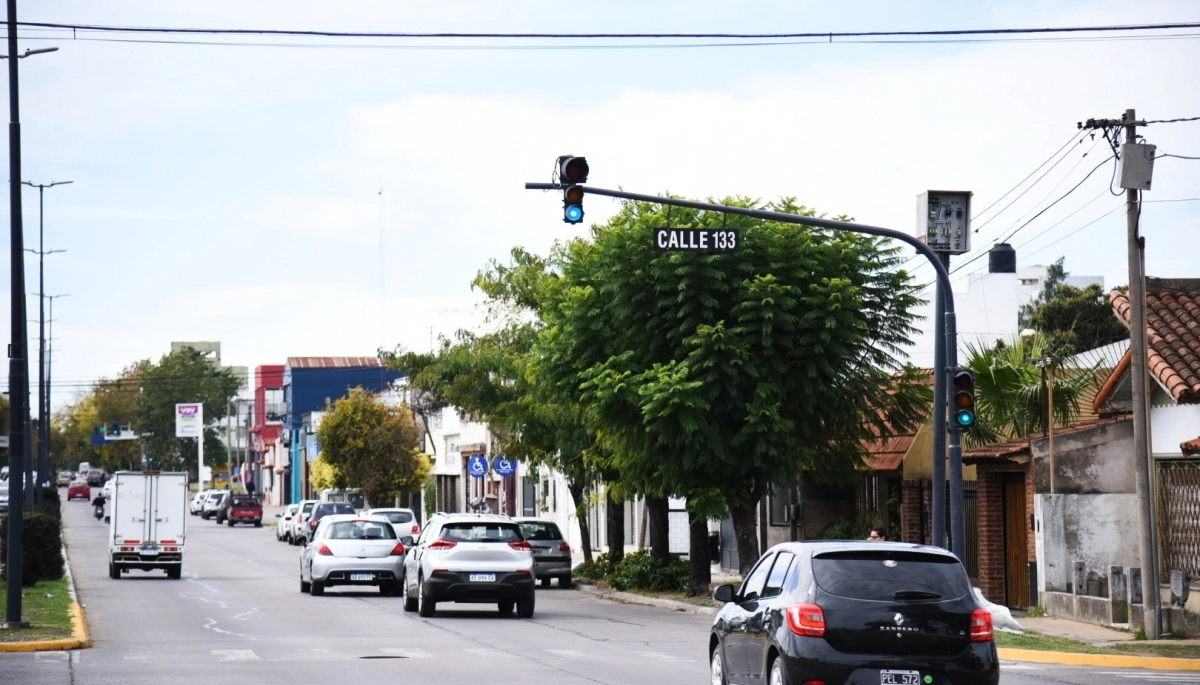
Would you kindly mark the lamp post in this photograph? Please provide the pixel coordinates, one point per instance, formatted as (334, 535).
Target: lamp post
(49, 360)
(43, 462)
(18, 361)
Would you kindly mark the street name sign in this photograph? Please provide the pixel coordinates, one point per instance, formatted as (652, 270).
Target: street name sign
(719, 240)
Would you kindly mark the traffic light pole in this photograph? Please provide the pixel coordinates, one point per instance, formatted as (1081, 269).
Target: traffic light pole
(944, 362)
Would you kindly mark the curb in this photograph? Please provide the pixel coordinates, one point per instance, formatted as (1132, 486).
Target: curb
(631, 598)
(1161, 663)
(80, 637)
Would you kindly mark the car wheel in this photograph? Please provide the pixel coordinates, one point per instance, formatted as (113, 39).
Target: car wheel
(565, 582)
(505, 606)
(716, 666)
(258, 524)
(778, 676)
(316, 589)
(387, 589)
(525, 608)
(175, 572)
(545, 582)
(230, 522)
(425, 607)
(304, 587)
(410, 601)
(114, 571)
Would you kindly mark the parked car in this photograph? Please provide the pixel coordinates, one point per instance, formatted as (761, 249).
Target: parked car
(299, 527)
(283, 528)
(3, 474)
(863, 611)
(471, 558)
(196, 505)
(240, 509)
(79, 488)
(551, 552)
(403, 520)
(212, 503)
(95, 477)
(350, 549)
(322, 510)
(4, 496)
(65, 478)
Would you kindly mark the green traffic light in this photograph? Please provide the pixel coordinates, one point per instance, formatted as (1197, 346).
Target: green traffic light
(965, 419)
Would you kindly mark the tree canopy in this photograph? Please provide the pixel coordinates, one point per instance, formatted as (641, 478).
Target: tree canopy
(1072, 319)
(373, 446)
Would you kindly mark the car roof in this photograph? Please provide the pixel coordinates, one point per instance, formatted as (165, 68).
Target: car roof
(534, 519)
(499, 518)
(817, 547)
(372, 511)
(334, 518)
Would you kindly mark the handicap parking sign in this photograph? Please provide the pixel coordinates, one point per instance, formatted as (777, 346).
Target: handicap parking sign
(503, 466)
(477, 466)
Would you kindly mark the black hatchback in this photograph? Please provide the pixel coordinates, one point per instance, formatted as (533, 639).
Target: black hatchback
(866, 613)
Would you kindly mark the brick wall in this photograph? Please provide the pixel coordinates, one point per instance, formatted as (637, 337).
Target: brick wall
(910, 510)
(991, 527)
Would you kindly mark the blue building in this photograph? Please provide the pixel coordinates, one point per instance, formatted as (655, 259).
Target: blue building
(311, 383)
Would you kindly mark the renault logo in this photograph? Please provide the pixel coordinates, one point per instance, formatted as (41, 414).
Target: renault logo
(899, 619)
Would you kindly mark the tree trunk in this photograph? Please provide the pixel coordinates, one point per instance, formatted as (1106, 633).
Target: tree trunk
(615, 520)
(581, 510)
(660, 528)
(699, 565)
(745, 530)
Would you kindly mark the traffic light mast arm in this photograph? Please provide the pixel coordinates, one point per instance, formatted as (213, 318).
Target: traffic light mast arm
(943, 275)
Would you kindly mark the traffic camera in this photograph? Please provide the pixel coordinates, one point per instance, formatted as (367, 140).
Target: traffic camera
(571, 172)
(964, 398)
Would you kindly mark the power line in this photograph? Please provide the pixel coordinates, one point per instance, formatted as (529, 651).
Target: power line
(1170, 121)
(1177, 156)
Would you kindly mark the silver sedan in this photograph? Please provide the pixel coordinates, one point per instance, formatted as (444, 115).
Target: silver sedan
(349, 549)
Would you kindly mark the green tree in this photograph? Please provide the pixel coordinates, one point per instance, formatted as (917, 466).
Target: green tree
(731, 372)
(184, 375)
(1072, 319)
(1011, 389)
(372, 446)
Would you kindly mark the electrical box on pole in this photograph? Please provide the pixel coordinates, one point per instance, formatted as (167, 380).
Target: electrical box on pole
(1137, 166)
(944, 220)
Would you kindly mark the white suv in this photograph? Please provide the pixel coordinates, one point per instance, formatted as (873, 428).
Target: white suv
(470, 558)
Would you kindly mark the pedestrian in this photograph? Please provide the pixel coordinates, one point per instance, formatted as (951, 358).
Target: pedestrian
(878, 535)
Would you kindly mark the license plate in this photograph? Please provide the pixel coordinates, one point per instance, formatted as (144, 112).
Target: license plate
(362, 576)
(483, 577)
(149, 550)
(899, 678)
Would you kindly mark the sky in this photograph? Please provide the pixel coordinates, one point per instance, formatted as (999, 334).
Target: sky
(302, 197)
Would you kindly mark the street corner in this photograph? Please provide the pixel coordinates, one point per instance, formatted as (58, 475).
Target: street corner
(80, 637)
(1154, 663)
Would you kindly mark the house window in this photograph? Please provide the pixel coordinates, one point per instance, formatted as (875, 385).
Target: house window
(780, 498)
(275, 406)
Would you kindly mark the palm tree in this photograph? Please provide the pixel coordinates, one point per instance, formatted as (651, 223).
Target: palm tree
(1011, 389)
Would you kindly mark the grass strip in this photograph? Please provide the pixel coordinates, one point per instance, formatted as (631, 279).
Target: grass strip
(1052, 643)
(49, 617)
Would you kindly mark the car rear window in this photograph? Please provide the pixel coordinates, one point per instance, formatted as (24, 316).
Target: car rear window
(333, 508)
(536, 530)
(890, 576)
(481, 532)
(397, 516)
(244, 502)
(360, 530)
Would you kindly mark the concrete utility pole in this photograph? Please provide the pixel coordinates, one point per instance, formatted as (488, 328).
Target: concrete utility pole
(1139, 381)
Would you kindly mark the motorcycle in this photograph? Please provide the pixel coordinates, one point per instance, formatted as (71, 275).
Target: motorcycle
(98, 511)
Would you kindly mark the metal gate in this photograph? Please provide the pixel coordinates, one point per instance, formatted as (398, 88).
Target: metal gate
(1179, 517)
(729, 551)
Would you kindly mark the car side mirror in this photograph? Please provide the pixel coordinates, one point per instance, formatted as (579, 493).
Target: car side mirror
(278, 516)
(407, 541)
(723, 593)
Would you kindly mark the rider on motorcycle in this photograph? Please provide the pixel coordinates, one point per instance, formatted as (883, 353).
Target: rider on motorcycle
(98, 503)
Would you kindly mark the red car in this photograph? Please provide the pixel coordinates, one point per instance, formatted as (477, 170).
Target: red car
(80, 489)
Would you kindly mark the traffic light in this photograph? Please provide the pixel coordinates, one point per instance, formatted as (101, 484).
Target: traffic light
(571, 172)
(114, 429)
(964, 398)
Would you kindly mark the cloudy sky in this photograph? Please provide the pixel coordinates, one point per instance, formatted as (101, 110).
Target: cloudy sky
(293, 197)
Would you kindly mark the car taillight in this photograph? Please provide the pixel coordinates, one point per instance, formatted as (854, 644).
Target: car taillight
(521, 546)
(981, 626)
(312, 525)
(324, 551)
(416, 530)
(564, 547)
(806, 619)
(398, 550)
(443, 544)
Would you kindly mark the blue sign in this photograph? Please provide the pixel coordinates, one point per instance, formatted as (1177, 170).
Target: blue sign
(477, 466)
(503, 466)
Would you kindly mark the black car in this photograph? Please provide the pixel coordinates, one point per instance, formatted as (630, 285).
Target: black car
(853, 612)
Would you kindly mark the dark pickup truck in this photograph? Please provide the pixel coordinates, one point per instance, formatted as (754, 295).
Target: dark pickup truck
(240, 509)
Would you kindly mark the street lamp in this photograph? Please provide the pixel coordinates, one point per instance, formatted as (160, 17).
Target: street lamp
(43, 468)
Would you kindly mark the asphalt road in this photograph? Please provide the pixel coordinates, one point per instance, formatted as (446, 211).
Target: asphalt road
(238, 616)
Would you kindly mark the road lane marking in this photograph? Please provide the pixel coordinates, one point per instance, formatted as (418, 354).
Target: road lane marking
(1006, 666)
(51, 656)
(663, 656)
(1156, 677)
(573, 654)
(489, 653)
(235, 654)
(412, 653)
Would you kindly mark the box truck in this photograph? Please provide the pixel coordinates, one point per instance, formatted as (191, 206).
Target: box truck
(147, 520)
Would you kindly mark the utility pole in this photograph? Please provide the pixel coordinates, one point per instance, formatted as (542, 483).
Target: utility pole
(1143, 475)
(43, 462)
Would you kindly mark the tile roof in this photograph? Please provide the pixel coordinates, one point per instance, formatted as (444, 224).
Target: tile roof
(888, 454)
(999, 451)
(1190, 447)
(332, 362)
(1173, 334)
